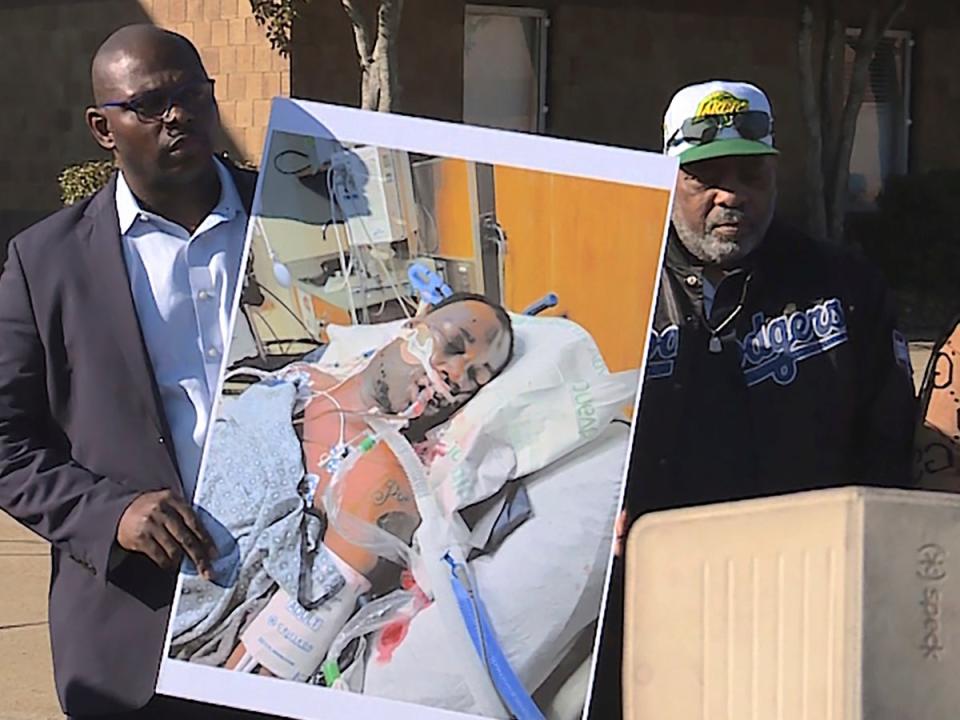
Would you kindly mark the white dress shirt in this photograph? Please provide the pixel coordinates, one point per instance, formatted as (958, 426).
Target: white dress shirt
(183, 287)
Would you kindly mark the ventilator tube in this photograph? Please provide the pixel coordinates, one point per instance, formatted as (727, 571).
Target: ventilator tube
(438, 537)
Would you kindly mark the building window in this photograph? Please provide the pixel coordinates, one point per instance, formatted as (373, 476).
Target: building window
(504, 67)
(881, 145)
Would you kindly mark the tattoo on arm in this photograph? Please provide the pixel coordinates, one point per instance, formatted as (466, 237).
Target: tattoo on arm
(391, 489)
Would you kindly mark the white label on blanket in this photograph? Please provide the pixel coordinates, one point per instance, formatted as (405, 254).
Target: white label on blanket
(290, 641)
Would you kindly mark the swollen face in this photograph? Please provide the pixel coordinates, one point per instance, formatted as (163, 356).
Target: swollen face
(447, 357)
(723, 207)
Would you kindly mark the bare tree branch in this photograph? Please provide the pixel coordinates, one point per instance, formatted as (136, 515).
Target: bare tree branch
(361, 29)
(893, 13)
(385, 52)
(370, 81)
(833, 49)
(870, 38)
(816, 211)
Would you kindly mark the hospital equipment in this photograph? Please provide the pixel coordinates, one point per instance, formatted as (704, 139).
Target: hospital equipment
(477, 465)
(291, 641)
(547, 301)
(341, 228)
(537, 604)
(428, 284)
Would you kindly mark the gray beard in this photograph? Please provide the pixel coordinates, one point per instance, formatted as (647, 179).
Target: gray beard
(719, 251)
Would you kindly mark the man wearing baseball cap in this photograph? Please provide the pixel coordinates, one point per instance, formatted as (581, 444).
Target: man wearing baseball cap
(774, 364)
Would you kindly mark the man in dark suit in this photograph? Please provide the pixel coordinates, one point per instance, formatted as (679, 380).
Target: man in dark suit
(113, 316)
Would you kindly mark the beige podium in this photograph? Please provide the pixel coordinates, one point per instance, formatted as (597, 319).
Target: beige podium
(830, 605)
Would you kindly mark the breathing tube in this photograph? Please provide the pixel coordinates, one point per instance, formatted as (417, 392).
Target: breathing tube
(495, 688)
(438, 565)
(438, 538)
(511, 691)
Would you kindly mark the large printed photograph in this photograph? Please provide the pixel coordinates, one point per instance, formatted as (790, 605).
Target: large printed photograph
(420, 442)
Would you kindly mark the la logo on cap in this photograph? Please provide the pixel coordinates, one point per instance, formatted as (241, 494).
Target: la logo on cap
(718, 119)
(721, 103)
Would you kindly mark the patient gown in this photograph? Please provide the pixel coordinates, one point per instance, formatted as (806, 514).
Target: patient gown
(250, 488)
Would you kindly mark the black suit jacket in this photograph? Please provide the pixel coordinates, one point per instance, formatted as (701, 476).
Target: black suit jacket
(83, 432)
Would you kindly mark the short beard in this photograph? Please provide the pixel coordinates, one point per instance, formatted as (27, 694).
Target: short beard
(718, 251)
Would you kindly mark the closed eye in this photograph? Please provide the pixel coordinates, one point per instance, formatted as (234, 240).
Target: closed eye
(456, 346)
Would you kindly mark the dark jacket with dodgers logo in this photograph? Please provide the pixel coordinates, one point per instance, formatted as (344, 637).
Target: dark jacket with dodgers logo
(807, 386)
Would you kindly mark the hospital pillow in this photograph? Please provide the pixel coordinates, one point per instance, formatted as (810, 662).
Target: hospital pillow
(556, 395)
(541, 588)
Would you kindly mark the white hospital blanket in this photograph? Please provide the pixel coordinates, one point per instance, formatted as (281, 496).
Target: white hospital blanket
(541, 588)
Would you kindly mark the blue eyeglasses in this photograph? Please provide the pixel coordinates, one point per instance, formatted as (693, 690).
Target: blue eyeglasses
(154, 105)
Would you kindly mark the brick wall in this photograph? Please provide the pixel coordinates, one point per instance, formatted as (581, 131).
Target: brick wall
(45, 53)
(238, 56)
(45, 49)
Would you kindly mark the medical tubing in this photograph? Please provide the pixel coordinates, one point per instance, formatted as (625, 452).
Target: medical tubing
(247, 663)
(354, 529)
(334, 199)
(508, 685)
(373, 616)
(436, 540)
(245, 370)
(403, 451)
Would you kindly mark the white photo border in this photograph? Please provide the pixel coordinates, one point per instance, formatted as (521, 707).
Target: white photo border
(192, 681)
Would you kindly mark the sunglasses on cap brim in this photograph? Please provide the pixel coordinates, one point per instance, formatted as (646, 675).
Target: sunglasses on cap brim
(750, 125)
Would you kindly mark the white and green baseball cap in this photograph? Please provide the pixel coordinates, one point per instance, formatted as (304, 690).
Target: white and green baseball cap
(718, 119)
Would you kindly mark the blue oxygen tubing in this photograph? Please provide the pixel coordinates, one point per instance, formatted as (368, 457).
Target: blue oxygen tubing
(505, 680)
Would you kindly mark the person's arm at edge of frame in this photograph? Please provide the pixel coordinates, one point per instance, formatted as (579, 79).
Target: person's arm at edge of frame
(41, 485)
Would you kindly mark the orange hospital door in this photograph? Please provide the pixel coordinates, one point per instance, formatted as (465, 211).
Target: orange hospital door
(595, 244)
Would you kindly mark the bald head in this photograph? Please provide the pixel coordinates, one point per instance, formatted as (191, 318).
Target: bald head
(133, 49)
(154, 109)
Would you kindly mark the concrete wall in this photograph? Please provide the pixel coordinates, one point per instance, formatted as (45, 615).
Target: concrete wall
(613, 65)
(45, 50)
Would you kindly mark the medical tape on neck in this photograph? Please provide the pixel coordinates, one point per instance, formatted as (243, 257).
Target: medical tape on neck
(290, 641)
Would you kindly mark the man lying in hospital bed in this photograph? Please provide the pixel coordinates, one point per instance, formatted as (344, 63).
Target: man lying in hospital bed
(545, 421)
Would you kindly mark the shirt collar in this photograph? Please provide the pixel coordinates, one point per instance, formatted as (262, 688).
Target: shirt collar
(129, 211)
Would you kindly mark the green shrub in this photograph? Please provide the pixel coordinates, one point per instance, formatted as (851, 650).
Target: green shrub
(83, 180)
(277, 18)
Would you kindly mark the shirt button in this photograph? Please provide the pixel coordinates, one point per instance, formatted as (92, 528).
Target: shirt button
(161, 440)
(144, 218)
(692, 280)
(204, 295)
(212, 352)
